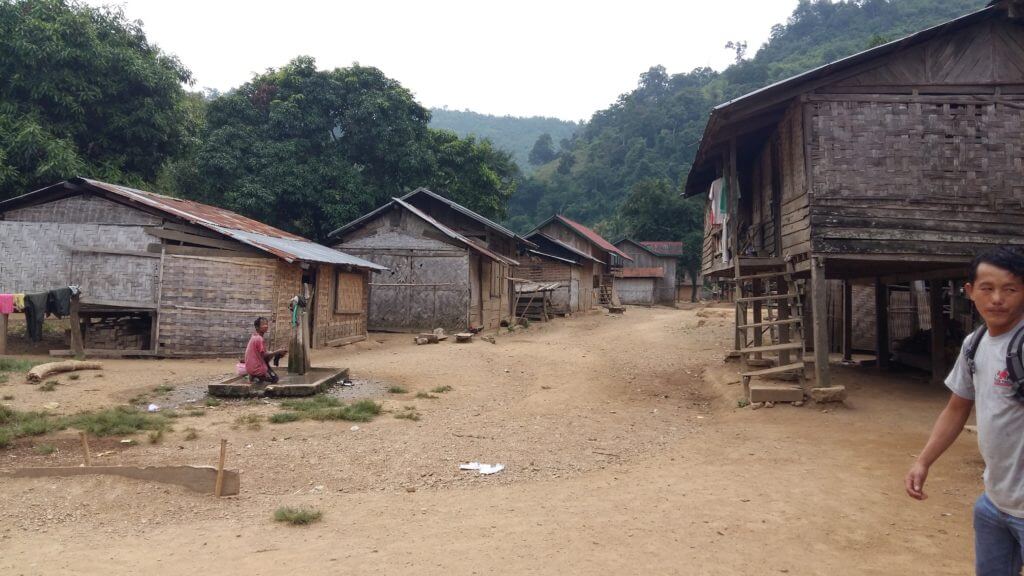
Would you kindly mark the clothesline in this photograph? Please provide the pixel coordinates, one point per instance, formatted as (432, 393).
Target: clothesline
(36, 306)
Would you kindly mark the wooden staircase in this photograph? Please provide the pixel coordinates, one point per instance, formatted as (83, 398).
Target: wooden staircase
(769, 328)
(605, 295)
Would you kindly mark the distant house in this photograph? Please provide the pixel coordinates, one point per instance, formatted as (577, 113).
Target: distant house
(647, 258)
(448, 267)
(556, 261)
(607, 259)
(171, 277)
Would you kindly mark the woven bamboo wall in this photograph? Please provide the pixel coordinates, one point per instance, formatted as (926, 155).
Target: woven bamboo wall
(209, 304)
(927, 175)
(331, 325)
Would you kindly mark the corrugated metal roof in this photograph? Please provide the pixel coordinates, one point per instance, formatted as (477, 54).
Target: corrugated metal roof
(553, 257)
(453, 234)
(653, 272)
(664, 248)
(467, 212)
(285, 245)
(592, 236)
(545, 238)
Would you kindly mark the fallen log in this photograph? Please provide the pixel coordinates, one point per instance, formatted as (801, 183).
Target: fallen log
(44, 370)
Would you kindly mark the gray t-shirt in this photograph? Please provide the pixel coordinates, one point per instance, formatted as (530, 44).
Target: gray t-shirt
(1000, 419)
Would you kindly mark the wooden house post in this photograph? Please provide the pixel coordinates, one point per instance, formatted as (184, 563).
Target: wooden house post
(882, 323)
(938, 319)
(819, 289)
(847, 321)
(3, 333)
(77, 347)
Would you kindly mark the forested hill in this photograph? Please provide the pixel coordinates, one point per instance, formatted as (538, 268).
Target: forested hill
(509, 133)
(652, 133)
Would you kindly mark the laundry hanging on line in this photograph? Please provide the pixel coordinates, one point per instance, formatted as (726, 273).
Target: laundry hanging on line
(56, 302)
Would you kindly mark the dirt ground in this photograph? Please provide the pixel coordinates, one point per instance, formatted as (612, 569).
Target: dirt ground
(625, 449)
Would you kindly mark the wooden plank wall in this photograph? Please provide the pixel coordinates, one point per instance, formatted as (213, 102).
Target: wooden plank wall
(330, 325)
(541, 269)
(796, 222)
(665, 287)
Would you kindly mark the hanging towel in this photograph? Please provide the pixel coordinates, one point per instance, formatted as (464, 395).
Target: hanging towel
(35, 312)
(58, 302)
(19, 302)
(6, 303)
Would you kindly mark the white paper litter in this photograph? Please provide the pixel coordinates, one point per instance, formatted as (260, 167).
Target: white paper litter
(153, 408)
(482, 468)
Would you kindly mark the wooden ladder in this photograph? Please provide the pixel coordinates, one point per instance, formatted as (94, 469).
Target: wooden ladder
(769, 320)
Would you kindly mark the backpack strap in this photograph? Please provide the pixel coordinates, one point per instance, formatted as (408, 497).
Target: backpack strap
(1015, 361)
(971, 349)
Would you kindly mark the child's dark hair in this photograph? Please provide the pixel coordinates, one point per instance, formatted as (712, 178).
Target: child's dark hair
(1008, 258)
(256, 323)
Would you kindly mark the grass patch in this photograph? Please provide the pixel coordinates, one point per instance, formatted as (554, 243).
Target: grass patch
(74, 376)
(442, 389)
(155, 436)
(118, 422)
(330, 408)
(212, 402)
(408, 414)
(396, 390)
(4, 377)
(163, 389)
(426, 395)
(16, 365)
(44, 449)
(250, 421)
(195, 413)
(14, 424)
(191, 433)
(8, 397)
(48, 386)
(297, 516)
(283, 417)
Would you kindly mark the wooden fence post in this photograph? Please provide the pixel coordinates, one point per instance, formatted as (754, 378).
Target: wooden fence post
(77, 347)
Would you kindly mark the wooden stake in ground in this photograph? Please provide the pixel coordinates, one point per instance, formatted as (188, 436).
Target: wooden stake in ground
(3, 333)
(40, 372)
(220, 468)
(85, 448)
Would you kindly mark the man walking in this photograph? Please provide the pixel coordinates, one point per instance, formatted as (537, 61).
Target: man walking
(982, 379)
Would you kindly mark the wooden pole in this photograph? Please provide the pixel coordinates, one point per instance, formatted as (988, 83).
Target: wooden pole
(756, 291)
(218, 487)
(938, 347)
(819, 289)
(847, 321)
(882, 323)
(85, 448)
(3, 333)
(77, 347)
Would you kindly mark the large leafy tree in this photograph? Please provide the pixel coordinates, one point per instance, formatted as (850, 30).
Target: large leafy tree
(308, 150)
(82, 92)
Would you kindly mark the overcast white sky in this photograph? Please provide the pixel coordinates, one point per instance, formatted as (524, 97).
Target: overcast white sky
(565, 59)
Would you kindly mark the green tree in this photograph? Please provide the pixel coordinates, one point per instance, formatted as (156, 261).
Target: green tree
(543, 150)
(308, 150)
(82, 92)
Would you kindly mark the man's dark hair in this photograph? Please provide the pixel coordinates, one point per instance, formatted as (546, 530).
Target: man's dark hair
(256, 323)
(1005, 257)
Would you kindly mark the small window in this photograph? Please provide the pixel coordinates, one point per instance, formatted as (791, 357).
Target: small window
(348, 293)
(496, 278)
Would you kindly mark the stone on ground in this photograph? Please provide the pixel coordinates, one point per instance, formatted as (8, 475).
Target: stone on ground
(829, 394)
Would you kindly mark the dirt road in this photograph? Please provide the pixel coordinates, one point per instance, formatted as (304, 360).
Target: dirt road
(625, 454)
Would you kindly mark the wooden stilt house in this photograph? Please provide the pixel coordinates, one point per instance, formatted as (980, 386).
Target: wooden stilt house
(607, 258)
(163, 276)
(448, 267)
(893, 165)
(650, 257)
(555, 261)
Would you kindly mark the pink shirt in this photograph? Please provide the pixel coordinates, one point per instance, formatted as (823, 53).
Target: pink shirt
(254, 363)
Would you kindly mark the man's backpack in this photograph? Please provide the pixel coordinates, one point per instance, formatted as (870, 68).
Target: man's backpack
(1014, 358)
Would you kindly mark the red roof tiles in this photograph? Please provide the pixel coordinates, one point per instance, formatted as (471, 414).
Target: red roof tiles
(592, 236)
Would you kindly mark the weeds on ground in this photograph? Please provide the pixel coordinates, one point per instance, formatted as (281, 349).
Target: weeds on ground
(156, 436)
(4, 377)
(195, 413)
(297, 516)
(163, 389)
(8, 397)
(742, 403)
(16, 365)
(442, 389)
(74, 376)
(44, 449)
(118, 421)
(212, 402)
(396, 390)
(250, 421)
(191, 433)
(282, 417)
(14, 424)
(48, 386)
(426, 395)
(330, 408)
(408, 413)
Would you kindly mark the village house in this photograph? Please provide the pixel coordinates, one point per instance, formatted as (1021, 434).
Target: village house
(164, 276)
(448, 267)
(556, 261)
(887, 169)
(650, 278)
(607, 259)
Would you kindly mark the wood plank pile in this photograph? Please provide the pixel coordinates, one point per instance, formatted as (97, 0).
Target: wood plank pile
(119, 332)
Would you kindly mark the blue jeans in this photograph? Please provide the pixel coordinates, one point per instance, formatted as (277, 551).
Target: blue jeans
(998, 540)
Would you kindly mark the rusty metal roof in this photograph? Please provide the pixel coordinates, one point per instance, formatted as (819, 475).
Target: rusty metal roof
(453, 234)
(285, 245)
(542, 238)
(588, 234)
(664, 248)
